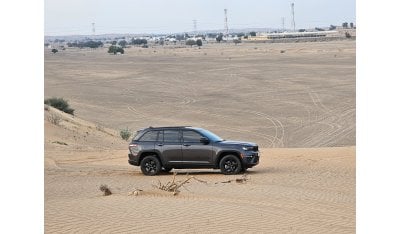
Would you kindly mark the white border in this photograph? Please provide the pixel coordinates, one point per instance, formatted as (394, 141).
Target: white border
(22, 155)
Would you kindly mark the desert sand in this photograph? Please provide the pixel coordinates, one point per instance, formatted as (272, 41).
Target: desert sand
(299, 106)
(304, 97)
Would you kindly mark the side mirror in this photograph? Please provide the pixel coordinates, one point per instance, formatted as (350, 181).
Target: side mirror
(204, 140)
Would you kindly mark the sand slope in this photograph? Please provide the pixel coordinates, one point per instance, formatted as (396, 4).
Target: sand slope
(298, 190)
(304, 97)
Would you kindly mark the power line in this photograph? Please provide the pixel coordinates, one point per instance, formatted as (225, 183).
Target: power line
(93, 29)
(226, 22)
(293, 22)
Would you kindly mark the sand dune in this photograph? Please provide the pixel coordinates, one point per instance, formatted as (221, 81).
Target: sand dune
(292, 190)
(304, 97)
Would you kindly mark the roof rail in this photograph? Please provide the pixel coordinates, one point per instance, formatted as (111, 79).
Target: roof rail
(170, 127)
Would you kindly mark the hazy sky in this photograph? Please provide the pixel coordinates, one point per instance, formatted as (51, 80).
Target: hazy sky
(67, 17)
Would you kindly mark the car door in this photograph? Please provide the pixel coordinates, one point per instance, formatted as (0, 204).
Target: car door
(170, 146)
(194, 151)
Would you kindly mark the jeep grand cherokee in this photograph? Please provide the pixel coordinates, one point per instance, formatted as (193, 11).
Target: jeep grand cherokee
(157, 149)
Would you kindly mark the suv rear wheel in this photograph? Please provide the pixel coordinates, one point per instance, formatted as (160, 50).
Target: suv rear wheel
(230, 165)
(150, 165)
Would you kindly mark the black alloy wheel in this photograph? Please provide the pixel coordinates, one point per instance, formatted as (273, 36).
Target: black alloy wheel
(230, 165)
(150, 165)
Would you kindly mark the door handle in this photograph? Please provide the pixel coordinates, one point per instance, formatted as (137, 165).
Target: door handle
(186, 145)
(160, 144)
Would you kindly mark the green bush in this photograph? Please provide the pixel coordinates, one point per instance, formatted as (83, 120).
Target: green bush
(115, 49)
(125, 134)
(199, 42)
(190, 42)
(59, 103)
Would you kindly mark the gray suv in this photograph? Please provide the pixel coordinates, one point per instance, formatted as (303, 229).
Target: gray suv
(157, 149)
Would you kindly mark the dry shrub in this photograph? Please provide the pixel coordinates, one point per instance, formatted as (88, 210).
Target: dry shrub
(241, 180)
(173, 186)
(125, 134)
(54, 119)
(99, 128)
(105, 189)
(59, 103)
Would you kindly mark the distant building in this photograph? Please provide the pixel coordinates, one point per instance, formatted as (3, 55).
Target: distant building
(283, 35)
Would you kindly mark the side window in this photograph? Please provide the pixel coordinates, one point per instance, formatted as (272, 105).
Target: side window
(191, 136)
(171, 136)
(149, 136)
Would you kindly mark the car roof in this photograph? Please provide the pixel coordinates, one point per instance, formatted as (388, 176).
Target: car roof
(168, 127)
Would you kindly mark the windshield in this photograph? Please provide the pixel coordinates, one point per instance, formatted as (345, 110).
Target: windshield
(211, 136)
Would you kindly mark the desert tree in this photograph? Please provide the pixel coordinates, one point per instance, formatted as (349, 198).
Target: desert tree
(180, 37)
(122, 43)
(138, 41)
(219, 38)
(199, 42)
(115, 49)
(237, 40)
(190, 42)
(90, 44)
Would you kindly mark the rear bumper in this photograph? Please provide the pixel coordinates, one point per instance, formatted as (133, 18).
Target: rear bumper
(133, 160)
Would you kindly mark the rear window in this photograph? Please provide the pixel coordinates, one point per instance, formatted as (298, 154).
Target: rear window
(137, 135)
(149, 136)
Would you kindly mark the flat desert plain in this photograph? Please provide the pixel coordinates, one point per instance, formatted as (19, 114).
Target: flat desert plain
(296, 100)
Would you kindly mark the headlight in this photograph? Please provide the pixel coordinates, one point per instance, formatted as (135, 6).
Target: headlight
(246, 148)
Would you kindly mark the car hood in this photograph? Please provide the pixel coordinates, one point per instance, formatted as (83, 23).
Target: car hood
(228, 142)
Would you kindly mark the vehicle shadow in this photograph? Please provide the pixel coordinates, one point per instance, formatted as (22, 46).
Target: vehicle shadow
(216, 172)
(208, 172)
(270, 170)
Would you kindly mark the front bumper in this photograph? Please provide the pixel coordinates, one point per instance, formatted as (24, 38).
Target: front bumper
(250, 159)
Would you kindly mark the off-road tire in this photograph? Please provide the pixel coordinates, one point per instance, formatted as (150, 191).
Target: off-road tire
(230, 165)
(150, 165)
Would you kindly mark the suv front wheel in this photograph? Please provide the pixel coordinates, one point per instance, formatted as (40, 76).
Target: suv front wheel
(230, 165)
(150, 165)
